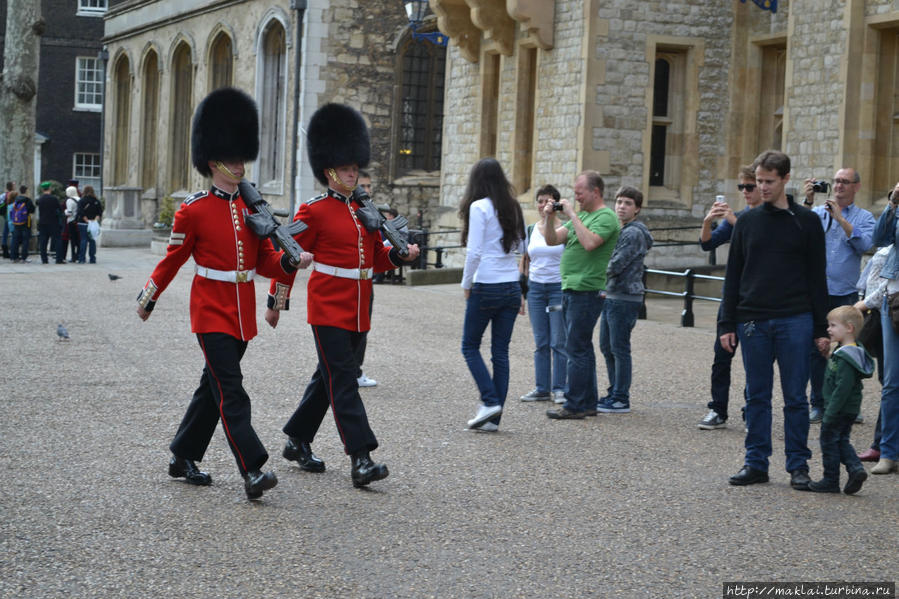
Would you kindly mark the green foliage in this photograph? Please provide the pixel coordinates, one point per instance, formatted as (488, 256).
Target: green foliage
(57, 189)
(166, 212)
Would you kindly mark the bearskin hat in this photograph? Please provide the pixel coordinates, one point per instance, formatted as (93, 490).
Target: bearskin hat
(226, 128)
(337, 135)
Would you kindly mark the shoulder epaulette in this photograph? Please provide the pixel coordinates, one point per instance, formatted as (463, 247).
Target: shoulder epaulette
(317, 198)
(194, 197)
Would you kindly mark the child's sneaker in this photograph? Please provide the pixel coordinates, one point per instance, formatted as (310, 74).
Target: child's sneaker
(856, 478)
(613, 407)
(824, 486)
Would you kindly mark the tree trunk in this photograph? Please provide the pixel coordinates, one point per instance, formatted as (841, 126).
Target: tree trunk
(18, 91)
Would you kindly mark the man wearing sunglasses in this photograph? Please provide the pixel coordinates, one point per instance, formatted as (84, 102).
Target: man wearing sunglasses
(709, 240)
(848, 233)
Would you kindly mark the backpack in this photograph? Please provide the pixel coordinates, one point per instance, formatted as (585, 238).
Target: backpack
(20, 213)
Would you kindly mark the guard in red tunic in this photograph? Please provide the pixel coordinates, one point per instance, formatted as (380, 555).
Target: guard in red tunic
(209, 226)
(338, 292)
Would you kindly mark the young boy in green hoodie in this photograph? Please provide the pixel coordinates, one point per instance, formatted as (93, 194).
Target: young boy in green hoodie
(848, 365)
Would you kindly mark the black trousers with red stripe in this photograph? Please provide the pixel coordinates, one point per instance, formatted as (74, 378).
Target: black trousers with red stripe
(220, 396)
(334, 384)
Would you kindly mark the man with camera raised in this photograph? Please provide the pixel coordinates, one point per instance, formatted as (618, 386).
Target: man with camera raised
(848, 233)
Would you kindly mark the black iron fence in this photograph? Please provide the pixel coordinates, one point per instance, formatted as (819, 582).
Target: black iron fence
(689, 276)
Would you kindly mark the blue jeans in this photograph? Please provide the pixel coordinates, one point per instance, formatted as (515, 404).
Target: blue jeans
(550, 358)
(785, 340)
(85, 240)
(618, 320)
(819, 362)
(496, 304)
(889, 401)
(21, 236)
(836, 449)
(582, 310)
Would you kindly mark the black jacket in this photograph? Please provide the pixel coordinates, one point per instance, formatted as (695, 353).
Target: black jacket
(49, 211)
(775, 268)
(89, 207)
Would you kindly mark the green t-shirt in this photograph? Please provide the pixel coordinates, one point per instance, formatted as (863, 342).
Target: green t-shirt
(583, 270)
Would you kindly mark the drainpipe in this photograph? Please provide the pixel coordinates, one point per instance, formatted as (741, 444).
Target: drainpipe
(103, 55)
(299, 6)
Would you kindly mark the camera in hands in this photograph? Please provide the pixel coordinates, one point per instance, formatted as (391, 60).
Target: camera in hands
(557, 206)
(820, 186)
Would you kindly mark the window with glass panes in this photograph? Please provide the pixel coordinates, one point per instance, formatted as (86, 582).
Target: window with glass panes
(418, 142)
(91, 7)
(87, 169)
(88, 83)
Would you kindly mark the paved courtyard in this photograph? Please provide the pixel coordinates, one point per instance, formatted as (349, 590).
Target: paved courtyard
(634, 505)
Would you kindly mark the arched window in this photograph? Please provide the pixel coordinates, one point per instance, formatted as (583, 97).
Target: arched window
(221, 62)
(122, 120)
(181, 112)
(420, 79)
(272, 107)
(149, 119)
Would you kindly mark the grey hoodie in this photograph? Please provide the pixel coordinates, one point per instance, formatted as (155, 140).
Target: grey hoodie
(624, 275)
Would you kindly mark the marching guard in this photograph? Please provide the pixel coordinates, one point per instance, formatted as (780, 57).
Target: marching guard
(210, 226)
(339, 291)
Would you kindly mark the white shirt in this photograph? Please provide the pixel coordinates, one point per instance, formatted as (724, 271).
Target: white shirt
(71, 209)
(545, 259)
(486, 262)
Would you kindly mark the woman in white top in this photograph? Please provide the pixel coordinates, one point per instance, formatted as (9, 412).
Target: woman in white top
(71, 224)
(541, 267)
(493, 231)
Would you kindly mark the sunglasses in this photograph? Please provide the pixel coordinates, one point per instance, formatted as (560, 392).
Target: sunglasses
(747, 186)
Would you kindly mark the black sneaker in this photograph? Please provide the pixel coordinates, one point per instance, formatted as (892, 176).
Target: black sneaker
(823, 486)
(856, 478)
(564, 414)
(799, 479)
(712, 421)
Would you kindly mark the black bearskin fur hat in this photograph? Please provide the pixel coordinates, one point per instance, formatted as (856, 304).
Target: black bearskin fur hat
(225, 128)
(337, 135)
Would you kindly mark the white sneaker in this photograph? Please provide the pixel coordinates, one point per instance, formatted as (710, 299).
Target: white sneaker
(364, 381)
(487, 427)
(484, 414)
(558, 397)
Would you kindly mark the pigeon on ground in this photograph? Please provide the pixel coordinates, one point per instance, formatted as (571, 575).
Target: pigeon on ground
(113, 277)
(62, 333)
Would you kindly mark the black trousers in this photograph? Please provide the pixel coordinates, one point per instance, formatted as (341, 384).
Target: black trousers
(334, 384)
(50, 234)
(220, 396)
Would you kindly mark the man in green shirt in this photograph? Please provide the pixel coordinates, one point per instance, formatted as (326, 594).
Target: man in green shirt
(589, 237)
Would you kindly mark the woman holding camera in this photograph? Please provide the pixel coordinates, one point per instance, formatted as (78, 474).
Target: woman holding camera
(540, 266)
(493, 231)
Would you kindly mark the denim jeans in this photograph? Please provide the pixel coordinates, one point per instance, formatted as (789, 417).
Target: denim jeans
(548, 325)
(582, 310)
(818, 362)
(889, 401)
(785, 340)
(496, 304)
(21, 236)
(836, 449)
(618, 320)
(85, 240)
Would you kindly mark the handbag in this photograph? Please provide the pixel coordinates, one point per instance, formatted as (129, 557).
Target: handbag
(871, 333)
(93, 229)
(893, 307)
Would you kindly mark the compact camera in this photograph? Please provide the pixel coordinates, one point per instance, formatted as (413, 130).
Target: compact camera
(557, 206)
(820, 186)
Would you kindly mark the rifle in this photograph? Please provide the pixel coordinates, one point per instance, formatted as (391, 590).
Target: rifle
(373, 220)
(264, 223)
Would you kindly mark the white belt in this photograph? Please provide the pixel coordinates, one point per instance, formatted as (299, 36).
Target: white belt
(344, 273)
(228, 276)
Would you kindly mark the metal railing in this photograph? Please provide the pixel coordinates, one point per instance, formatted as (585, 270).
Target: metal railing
(689, 276)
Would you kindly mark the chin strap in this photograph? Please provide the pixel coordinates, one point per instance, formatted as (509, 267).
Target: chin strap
(226, 171)
(337, 179)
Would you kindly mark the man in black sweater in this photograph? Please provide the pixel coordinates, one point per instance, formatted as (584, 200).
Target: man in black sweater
(775, 295)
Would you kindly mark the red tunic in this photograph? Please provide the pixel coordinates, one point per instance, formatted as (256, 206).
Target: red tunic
(337, 238)
(209, 226)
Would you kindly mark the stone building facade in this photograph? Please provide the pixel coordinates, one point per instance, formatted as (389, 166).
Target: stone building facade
(292, 56)
(670, 96)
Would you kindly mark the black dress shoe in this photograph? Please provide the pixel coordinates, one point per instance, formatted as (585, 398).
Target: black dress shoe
(255, 482)
(186, 469)
(301, 453)
(365, 470)
(799, 479)
(823, 486)
(748, 476)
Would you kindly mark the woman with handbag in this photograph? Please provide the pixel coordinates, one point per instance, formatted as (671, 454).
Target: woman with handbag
(90, 210)
(885, 233)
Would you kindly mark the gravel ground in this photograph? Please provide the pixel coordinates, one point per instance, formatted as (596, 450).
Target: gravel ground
(631, 505)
